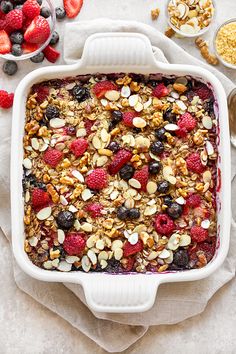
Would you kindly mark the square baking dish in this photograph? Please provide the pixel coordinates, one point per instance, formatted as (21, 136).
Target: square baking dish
(111, 53)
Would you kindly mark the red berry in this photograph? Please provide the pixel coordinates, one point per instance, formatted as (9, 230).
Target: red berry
(194, 163)
(52, 157)
(94, 209)
(5, 43)
(14, 19)
(121, 158)
(38, 31)
(160, 91)
(2, 24)
(193, 200)
(88, 125)
(6, 99)
(203, 92)
(198, 234)
(74, 243)
(51, 54)
(31, 9)
(128, 264)
(26, 23)
(207, 248)
(142, 177)
(79, 146)
(200, 212)
(72, 7)
(29, 47)
(42, 93)
(164, 224)
(40, 199)
(128, 118)
(2, 15)
(129, 250)
(187, 121)
(101, 87)
(97, 179)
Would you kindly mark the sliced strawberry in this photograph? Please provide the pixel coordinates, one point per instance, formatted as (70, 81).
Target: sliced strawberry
(51, 54)
(101, 87)
(72, 7)
(5, 43)
(38, 31)
(129, 249)
(29, 47)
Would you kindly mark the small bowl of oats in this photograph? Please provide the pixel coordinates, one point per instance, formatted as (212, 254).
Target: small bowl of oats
(190, 18)
(225, 43)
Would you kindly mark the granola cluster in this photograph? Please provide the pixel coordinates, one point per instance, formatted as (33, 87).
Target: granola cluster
(120, 173)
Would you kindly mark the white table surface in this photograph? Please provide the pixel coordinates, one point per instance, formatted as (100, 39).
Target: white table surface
(28, 327)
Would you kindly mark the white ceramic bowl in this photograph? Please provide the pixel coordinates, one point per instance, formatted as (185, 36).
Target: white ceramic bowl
(111, 53)
(225, 63)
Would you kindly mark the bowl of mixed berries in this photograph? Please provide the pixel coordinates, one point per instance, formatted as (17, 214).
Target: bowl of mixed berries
(26, 29)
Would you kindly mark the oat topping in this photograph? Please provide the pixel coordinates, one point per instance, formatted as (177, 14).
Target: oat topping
(120, 174)
(155, 14)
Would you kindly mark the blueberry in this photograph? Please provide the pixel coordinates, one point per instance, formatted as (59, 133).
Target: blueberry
(174, 210)
(60, 13)
(167, 200)
(137, 130)
(181, 258)
(16, 50)
(52, 112)
(6, 6)
(10, 67)
(45, 12)
(113, 266)
(114, 146)
(154, 167)
(65, 220)
(126, 172)
(19, 2)
(40, 2)
(163, 187)
(80, 93)
(157, 148)
(134, 213)
(112, 125)
(55, 38)
(122, 213)
(169, 116)
(16, 37)
(116, 117)
(38, 58)
(160, 134)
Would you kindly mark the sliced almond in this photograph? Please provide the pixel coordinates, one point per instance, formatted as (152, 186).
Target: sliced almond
(138, 107)
(151, 187)
(63, 200)
(147, 104)
(100, 244)
(139, 122)
(133, 238)
(44, 213)
(81, 133)
(173, 242)
(207, 122)
(57, 123)
(86, 264)
(185, 240)
(118, 254)
(33, 241)
(150, 210)
(72, 259)
(133, 100)
(73, 209)
(152, 255)
(27, 163)
(87, 227)
(134, 183)
(164, 254)
(60, 236)
(171, 127)
(104, 135)
(96, 142)
(180, 201)
(112, 95)
(125, 91)
(101, 161)
(103, 256)
(209, 148)
(64, 266)
(86, 194)
(92, 256)
(205, 224)
(207, 176)
(181, 105)
(78, 175)
(35, 143)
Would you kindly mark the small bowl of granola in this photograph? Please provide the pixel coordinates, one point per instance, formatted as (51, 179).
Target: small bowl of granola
(190, 18)
(225, 43)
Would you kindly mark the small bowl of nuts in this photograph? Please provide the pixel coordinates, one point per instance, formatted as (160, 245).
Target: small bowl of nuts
(190, 18)
(225, 43)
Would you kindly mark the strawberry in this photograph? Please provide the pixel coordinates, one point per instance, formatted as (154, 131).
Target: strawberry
(6, 99)
(121, 158)
(79, 146)
(142, 177)
(31, 9)
(97, 179)
(38, 31)
(160, 91)
(194, 163)
(198, 234)
(40, 199)
(14, 19)
(5, 43)
(72, 7)
(42, 93)
(94, 209)
(26, 23)
(129, 250)
(128, 118)
(74, 243)
(51, 54)
(101, 87)
(29, 47)
(52, 157)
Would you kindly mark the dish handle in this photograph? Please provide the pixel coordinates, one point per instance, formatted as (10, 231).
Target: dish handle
(129, 50)
(121, 293)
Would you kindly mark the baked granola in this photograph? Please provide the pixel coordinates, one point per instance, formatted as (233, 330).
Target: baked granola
(120, 173)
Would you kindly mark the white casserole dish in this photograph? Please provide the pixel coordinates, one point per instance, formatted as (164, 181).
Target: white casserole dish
(111, 53)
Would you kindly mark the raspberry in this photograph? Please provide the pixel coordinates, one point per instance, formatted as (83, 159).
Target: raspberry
(97, 179)
(142, 177)
(128, 264)
(6, 99)
(94, 209)
(100, 88)
(31, 9)
(40, 199)
(203, 92)
(128, 118)
(164, 224)
(187, 121)
(42, 93)
(52, 157)
(121, 158)
(79, 146)
(198, 234)
(193, 200)
(208, 249)
(160, 91)
(194, 163)
(74, 243)
(88, 125)
(14, 19)
(129, 250)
